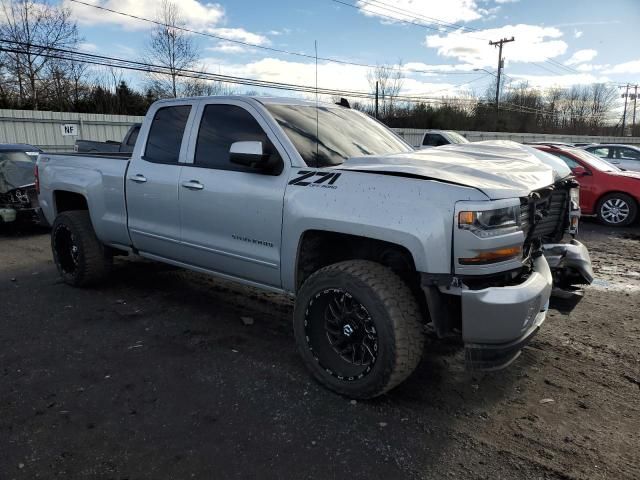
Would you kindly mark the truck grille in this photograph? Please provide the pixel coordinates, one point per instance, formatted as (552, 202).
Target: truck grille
(544, 215)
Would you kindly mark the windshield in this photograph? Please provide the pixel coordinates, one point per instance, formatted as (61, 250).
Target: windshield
(455, 137)
(594, 161)
(338, 133)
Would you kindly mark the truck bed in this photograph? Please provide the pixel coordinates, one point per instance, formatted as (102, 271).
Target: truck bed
(99, 178)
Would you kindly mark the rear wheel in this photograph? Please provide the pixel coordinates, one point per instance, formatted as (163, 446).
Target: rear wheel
(617, 210)
(78, 254)
(358, 328)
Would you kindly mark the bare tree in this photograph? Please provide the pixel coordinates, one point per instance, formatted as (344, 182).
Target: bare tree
(197, 87)
(170, 47)
(389, 80)
(31, 30)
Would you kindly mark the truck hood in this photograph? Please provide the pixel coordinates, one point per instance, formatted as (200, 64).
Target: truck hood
(498, 173)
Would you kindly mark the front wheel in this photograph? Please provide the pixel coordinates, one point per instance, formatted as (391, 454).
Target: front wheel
(358, 329)
(617, 210)
(80, 257)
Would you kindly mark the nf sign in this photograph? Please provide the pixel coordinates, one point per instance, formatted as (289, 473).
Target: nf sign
(69, 129)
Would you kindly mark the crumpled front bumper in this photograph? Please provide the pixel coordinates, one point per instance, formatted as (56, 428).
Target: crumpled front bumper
(570, 263)
(498, 321)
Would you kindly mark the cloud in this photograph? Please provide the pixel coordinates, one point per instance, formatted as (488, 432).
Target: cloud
(533, 43)
(195, 14)
(582, 56)
(546, 81)
(577, 33)
(240, 34)
(88, 47)
(330, 75)
(631, 67)
(421, 11)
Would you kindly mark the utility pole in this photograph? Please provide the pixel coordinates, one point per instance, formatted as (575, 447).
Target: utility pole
(499, 44)
(376, 99)
(635, 98)
(624, 113)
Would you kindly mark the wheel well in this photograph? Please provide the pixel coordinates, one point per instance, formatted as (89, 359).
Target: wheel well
(66, 201)
(320, 248)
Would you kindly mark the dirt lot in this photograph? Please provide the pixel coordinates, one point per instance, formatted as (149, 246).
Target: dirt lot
(155, 375)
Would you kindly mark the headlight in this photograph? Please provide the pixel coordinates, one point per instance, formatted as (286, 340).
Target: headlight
(489, 223)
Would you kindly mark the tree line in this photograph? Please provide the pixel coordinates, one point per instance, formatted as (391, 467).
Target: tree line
(32, 77)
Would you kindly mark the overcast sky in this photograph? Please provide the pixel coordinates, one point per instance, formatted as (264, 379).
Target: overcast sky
(593, 40)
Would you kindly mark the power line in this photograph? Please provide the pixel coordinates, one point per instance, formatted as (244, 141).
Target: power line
(263, 47)
(397, 10)
(394, 18)
(102, 60)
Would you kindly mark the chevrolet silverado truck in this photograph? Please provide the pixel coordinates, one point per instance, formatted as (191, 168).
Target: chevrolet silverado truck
(377, 242)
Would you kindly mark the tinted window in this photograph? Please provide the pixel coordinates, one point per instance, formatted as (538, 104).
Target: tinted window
(434, 140)
(221, 126)
(328, 135)
(134, 136)
(571, 163)
(165, 134)
(627, 154)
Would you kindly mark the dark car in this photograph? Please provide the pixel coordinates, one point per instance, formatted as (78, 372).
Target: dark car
(18, 199)
(110, 146)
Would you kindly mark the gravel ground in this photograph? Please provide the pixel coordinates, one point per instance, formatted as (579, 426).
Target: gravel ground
(156, 375)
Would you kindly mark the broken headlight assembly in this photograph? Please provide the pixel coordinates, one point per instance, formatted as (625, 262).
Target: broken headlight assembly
(490, 223)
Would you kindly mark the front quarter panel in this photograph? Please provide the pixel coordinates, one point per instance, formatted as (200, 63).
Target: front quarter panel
(414, 213)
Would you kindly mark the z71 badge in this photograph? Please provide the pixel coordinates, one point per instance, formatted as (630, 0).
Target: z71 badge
(308, 178)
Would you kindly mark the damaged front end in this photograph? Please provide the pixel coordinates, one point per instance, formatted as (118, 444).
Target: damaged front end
(546, 216)
(18, 197)
(20, 204)
(498, 294)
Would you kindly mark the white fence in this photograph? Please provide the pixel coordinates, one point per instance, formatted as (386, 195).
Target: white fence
(58, 131)
(414, 136)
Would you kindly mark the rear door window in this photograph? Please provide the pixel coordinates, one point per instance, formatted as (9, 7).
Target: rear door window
(165, 134)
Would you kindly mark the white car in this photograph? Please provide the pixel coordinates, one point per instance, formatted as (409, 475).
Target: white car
(626, 157)
(436, 138)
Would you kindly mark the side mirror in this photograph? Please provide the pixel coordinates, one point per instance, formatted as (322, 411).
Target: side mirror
(580, 171)
(249, 154)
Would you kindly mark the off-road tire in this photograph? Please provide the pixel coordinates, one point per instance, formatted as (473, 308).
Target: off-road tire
(394, 312)
(93, 261)
(633, 209)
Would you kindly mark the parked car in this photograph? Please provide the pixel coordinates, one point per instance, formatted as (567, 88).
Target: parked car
(551, 142)
(18, 198)
(435, 138)
(605, 190)
(626, 157)
(372, 238)
(110, 146)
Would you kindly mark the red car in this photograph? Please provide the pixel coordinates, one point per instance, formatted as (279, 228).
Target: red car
(605, 190)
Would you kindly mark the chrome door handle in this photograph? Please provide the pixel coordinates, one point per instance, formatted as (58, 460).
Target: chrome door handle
(138, 178)
(193, 185)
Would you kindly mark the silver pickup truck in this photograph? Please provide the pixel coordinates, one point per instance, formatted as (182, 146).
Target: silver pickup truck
(321, 202)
